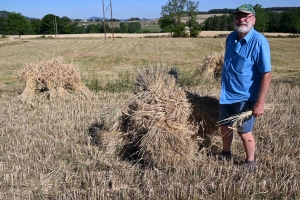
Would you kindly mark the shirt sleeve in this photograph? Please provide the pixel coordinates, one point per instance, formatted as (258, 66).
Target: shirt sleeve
(263, 57)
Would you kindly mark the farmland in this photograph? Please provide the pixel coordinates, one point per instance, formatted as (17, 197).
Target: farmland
(49, 149)
(151, 25)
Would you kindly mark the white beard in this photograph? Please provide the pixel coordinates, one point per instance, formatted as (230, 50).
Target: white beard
(245, 28)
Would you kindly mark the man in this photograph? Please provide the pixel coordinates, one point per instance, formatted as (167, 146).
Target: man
(246, 77)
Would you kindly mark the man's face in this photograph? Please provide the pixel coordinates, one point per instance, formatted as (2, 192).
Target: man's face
(244, 22)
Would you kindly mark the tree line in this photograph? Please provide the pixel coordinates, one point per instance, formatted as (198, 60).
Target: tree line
(176, 15)
(171, 21)
(231, 11)
(17, 24)
(267, 20)
(277, 19)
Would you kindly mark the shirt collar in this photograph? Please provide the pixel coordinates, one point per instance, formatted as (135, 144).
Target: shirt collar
(248, 36)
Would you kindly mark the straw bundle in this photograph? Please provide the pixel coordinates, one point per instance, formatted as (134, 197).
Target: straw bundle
(213, 65)
(237, 120)
(149, 76)
(156, 122)
(205, 112)
(52, 78)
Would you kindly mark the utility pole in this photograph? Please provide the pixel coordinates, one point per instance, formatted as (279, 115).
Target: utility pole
(56, 33)
(112, 23)
(55, 27)
(104, 20)
(111, 20)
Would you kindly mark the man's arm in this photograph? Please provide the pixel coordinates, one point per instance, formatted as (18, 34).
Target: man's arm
(259, 106)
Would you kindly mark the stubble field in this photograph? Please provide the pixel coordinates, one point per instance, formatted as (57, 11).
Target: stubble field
(49, 149)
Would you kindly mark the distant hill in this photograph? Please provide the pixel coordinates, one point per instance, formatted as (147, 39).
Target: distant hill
(101, 19)
(96, 18)
(4, 14)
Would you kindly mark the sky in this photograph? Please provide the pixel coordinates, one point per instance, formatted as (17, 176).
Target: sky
(121, 9)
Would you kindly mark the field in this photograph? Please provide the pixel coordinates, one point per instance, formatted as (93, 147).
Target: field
(150, 29)
(55, 149)
(151, 26)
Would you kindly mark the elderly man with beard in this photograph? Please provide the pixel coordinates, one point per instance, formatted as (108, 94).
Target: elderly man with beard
(246, 78)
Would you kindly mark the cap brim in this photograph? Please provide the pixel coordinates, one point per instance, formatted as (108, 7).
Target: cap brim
(242, 11)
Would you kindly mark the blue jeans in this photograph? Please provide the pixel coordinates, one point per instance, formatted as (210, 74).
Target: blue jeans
(228, 110)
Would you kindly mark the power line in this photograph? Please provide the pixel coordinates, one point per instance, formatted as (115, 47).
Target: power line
(134, 7)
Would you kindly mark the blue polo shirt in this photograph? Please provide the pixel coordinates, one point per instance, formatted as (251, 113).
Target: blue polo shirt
(244, 63)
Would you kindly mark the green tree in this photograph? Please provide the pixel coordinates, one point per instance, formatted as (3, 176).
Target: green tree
(216, 23)
(230, 23)
(288, 20)
(48, 24)
(207, 24)
(167, 24)
(92, 28)
(134, 27)
(179, 30)
(224, 23)
(17, 24)
(274, 21)
(65, 25)
(36, 26)
(79, 29)
(175, 9)
(172, 14)
(262, 19)
(295, 20)
(194, 28)
(129, 27)
(2, 25)
(192, 11)
(107, 28)
(117, 30)
(297, 24)
(219, 23)
(134, 19)
(123, 27)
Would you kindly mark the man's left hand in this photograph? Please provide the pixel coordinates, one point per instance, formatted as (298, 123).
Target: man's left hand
(258, 109)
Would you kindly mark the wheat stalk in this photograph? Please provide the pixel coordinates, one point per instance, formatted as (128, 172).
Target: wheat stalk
(238, 119)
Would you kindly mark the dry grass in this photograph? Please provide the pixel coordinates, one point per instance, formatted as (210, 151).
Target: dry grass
(61, 149)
